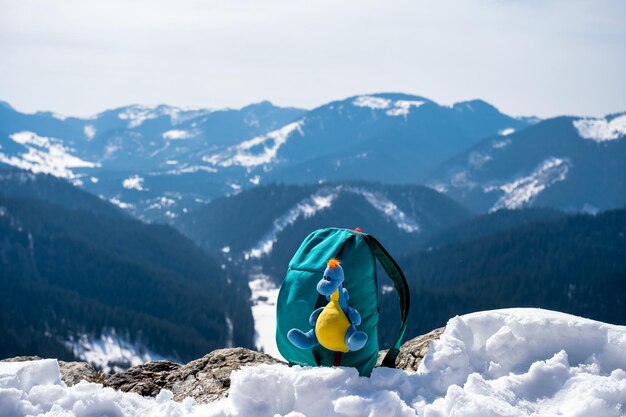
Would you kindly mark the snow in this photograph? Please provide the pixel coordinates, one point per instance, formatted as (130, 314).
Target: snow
(376, 103)
(89, 131)
(506, 132)
(257, 151)
(137, 115)
(499, 144)
(120, 203)
(477, 159)
(403, 107)
(601, 130)
(177, 134)
(514, 363)
(394, 108)
(110, 351)
(134, 182)
(264, 296)
(388, 209)
(306, 208)
(522, 192)
(44, 155)
(323, 199)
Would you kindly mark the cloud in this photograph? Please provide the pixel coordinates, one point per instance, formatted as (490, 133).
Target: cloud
(543, 57)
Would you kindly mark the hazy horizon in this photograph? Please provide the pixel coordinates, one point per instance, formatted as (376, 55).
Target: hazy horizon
(541, 58)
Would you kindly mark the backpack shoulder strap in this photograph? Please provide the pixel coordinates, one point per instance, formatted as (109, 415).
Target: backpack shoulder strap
(402, 287)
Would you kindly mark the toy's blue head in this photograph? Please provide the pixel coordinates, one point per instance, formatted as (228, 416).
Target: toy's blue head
(333, 278)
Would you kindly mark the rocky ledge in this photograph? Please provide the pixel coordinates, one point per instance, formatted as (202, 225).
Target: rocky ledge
(208, 378)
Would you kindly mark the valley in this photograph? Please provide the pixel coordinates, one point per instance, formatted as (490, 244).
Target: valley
(164, 232)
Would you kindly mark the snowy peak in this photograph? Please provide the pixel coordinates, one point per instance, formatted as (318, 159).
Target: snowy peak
(136, 115)
(601, 130)
(392, 106)
(574, 164)
(41, 154)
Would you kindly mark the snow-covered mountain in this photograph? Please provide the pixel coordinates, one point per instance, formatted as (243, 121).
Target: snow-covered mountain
(145, 159)
(159, 162)
(382, 137)
(514, 363)
(268, 223)
(571, 163)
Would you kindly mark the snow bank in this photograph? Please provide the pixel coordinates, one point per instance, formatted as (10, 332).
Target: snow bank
(516, 362)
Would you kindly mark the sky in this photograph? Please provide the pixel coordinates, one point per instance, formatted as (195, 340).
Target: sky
(527, 57)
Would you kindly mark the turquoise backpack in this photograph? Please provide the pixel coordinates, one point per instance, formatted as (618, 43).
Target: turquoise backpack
(298, 296)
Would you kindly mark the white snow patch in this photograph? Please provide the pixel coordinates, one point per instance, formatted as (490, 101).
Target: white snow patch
(110, 351)
(190, 169)
(256, 180)
(388, 209)
(306, 208)
(377, 103)
(523, 191)
(440, 188)
(134, 182)
(515, 363)
(110, 149)
(477, 159)
(499, 144)
(264, 297)
(94, 180)
(177, 134)
(393, 107)
(462, 179)
(601, 130)
(229, 332)
(59, 116)
(403, 107)
(44, 155)
(120, 203)
(257, 151)
(506, 132)
(226, 249)
(323, 199)
(137, 115)
(89, 131)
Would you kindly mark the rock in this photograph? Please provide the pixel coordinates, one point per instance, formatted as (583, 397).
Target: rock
(22, 359)
(71, 372)
(413, 351)
(206, 379)
(74, 372)
(147, 379)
